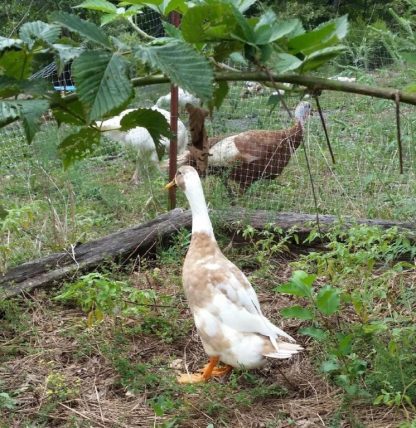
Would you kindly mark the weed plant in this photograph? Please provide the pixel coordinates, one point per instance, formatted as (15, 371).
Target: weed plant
(352, 303)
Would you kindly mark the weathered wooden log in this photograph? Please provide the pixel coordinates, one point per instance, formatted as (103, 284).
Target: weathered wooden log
(304, 223)
(130, 242)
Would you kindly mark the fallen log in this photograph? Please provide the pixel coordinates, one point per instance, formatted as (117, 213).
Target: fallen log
(121, 245)
(138, 240)
(305, 223)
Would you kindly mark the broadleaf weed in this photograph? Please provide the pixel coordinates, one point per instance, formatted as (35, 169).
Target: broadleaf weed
(365, 338)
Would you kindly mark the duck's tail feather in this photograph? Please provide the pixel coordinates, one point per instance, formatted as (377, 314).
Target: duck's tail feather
(282, 333)
(284, 350)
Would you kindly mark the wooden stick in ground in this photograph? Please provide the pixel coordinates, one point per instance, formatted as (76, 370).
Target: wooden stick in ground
(399, 134)
(328, 142)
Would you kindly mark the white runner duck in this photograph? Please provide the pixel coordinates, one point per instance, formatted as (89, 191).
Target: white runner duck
(225, 306)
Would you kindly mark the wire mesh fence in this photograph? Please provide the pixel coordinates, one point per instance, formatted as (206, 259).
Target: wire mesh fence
(365, 180)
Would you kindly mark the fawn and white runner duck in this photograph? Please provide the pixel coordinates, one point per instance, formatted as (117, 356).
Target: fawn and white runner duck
(225, 307)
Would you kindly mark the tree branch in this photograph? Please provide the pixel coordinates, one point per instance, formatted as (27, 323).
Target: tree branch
(140, 31)
(314, 84)
(310, 82)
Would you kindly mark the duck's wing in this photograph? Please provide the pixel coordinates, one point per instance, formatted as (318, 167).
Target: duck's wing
(235, 302)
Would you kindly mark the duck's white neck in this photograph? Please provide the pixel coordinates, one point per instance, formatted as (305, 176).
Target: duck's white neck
(302, 114)
(200, 218)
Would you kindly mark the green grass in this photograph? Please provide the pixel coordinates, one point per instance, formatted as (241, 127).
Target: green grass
(122, 333)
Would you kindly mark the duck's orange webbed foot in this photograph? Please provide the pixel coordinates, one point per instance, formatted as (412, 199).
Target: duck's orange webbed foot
(219, 371)
(185, 378)
(207, 372)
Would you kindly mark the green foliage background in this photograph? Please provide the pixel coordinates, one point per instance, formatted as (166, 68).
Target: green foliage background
(313, 12)
(13, 13)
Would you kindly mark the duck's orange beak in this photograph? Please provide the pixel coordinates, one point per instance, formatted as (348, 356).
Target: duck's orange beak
(171, 184)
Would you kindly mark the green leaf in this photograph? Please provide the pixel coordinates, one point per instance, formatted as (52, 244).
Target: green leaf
(327, 34)
(341, 26)
(189, 70)
(238, 58)
(172, 31)
(9, 86)
(328, 300)
(6, 401)
(168, 6)
(31, 112)
(214, 21)
(102, 82)
(78, 145)
(345, 344)
(69, 111)
(155, 123)
(330, 366)
(265, 52)
(273, 100)
(30, 32)
(302, 278)
(152, 4)
(108, 17)
(16, 64)
(286, 28)
(316, 333)
(220, 92)
(3, 212)
(100, 5)
(35, 87)
(6, 43)
(375, 327)
(300, 285)
(318, 58)
(283, 62)
(85, 28)
(310, 41)
(224, 50)
(9, 112)
(119, 13)
(65, 53)
(298, 312)
(269, 29)
(245, 30)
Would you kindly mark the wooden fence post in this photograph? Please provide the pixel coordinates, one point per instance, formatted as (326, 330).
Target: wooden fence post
(175, 19)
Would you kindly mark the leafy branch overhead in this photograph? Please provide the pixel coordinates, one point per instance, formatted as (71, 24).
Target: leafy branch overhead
(210, 33)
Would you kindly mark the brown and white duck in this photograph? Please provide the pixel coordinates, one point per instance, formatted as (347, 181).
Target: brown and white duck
(255, 154)
(225, 307)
